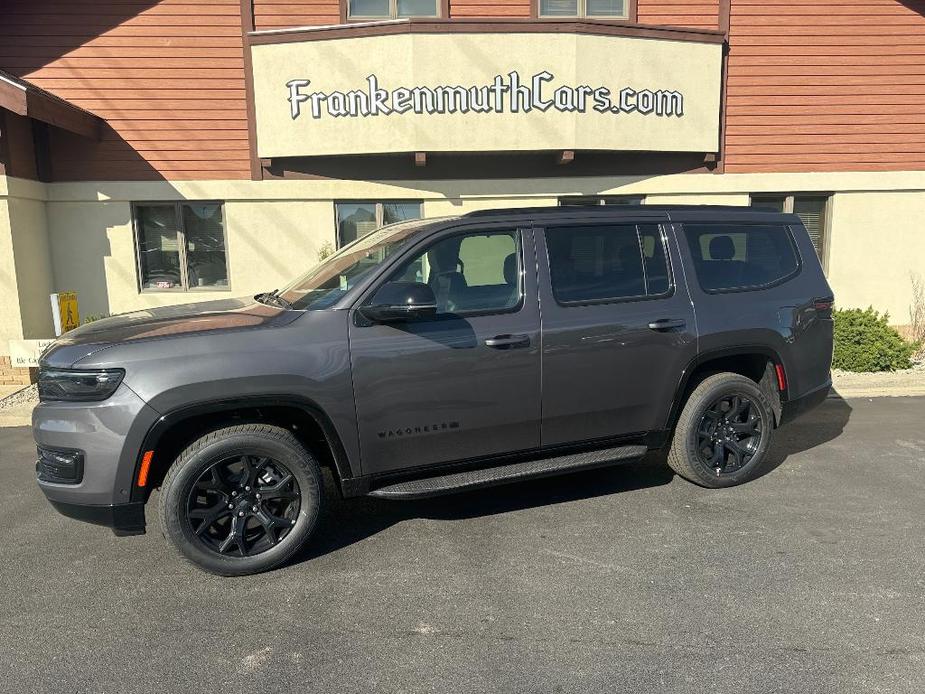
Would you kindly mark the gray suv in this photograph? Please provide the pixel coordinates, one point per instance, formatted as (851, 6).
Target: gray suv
(439, 356)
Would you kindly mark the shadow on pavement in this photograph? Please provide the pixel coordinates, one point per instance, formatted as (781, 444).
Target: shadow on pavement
(353, 520)
(816, 428)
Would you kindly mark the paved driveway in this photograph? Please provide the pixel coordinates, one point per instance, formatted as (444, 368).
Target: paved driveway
(811, 579)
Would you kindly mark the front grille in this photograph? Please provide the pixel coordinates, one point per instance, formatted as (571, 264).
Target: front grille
(61, 466)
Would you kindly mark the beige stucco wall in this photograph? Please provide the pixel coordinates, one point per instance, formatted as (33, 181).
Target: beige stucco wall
(26, 275)
(688, 68)
(877, 241)
(276, 228)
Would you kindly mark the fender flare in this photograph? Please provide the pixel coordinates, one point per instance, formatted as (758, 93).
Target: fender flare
(719, 353)
(177, 416)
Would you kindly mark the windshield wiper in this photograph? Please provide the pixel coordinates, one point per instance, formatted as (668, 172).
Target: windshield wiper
(274, 298)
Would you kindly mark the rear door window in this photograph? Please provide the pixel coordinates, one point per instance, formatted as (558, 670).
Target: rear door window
(741, 256)
(607, 262)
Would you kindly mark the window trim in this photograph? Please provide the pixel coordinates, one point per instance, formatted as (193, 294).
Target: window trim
(789, 199)
(663, 232)
(631, 17)
(748, 287)
(443, 12)
(184, 287)
(430, 242)
(380, 214)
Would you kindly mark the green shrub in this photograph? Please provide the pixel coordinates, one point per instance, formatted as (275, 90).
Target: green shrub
(864, 341)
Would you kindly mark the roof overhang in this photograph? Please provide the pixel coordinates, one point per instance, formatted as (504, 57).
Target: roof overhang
(25, 99)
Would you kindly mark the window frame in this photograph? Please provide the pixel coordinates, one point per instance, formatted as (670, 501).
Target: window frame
(443, 12)
(663, 233)
(184, 287)
(517, 231)
(682, 228)
(631, 16)
(789, 199)
(380, 214)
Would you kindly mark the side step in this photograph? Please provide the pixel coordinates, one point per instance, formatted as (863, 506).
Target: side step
(514, 472)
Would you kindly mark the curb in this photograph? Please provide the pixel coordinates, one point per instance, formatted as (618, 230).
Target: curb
(12, 420)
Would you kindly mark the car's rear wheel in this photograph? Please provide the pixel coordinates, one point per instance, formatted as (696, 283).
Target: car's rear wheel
(242, 499)
(722, 436)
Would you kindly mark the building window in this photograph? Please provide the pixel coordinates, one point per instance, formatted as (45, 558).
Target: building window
(811, 208)
(591, 200)
(356, 219)
(603, 9)
(180, 246)
(391, 9)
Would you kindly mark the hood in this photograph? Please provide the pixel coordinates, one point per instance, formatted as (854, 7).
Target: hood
(164, 323)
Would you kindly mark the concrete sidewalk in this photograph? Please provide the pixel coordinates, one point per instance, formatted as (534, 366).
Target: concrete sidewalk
(910, 382)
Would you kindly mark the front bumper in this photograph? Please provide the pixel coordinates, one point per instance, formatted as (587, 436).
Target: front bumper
(124, 519)
(108, 434)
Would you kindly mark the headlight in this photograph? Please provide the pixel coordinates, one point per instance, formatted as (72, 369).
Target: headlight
(77, 385)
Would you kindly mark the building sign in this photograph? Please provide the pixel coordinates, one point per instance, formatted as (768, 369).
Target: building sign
(486, 92)
(25, 353)
(64, 311)
(506, 94)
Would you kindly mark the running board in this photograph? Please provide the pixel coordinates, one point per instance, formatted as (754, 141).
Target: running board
(504, 474)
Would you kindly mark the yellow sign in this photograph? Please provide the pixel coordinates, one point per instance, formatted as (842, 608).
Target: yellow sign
(65, 312)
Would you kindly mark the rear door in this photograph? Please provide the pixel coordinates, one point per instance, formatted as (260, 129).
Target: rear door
(467, 383)
(618, 328)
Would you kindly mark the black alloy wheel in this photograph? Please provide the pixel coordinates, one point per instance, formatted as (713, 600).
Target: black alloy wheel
(729, 434)
(723, 433)
(243, 505)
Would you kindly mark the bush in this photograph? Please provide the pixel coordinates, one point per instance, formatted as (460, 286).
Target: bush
(864, 341)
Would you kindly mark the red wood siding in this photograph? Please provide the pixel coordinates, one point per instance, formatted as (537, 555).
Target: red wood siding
(167, 76)
(699, 14)
(490, 8)
(277, 14)
(826, 86)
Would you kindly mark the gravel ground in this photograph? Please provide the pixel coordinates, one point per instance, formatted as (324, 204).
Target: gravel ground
(27, 397)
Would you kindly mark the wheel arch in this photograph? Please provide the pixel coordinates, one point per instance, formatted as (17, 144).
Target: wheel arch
(757, 362)
(179, 427)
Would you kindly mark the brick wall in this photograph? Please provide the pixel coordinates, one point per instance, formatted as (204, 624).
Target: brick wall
(13, 376)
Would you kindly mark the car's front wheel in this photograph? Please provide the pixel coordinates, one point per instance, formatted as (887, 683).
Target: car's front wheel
(242, 499)
(722, 436)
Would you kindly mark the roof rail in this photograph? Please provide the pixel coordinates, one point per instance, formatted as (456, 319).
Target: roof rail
(610, 209)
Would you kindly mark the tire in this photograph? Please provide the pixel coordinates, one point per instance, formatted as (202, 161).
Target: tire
(203, 496)
(694, 456)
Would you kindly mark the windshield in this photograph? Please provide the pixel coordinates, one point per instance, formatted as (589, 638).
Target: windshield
(325, 284)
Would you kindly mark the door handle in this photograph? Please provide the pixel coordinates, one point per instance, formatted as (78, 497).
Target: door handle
(508, 341)
(667, 324)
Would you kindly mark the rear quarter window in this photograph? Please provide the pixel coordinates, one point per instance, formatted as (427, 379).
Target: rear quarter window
(729, 257)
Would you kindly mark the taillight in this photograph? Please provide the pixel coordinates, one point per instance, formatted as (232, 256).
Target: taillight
(824, 306)
(781, 377)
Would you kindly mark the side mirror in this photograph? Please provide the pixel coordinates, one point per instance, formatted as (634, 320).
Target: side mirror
(401, 301)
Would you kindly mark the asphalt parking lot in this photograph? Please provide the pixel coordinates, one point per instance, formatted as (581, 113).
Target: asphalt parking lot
(810, 579)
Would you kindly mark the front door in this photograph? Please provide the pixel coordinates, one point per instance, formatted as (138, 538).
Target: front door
(618, 329)
(466, 383)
